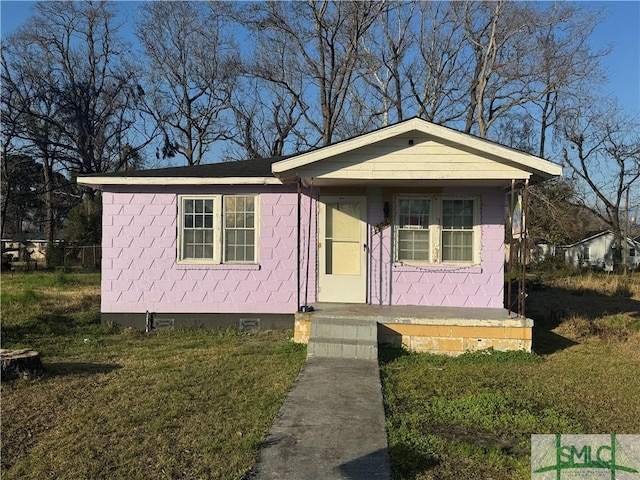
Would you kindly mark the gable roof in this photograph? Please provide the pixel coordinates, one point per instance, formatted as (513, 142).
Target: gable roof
(354, 160)
(590, 238)
(537, 168)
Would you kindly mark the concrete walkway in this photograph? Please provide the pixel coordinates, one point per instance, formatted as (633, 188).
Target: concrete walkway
(331, 425)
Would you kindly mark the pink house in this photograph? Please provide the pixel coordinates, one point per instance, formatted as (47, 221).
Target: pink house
(410, 215)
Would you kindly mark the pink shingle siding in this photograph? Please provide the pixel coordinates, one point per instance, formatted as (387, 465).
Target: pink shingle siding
(140, 271)
(443, 285)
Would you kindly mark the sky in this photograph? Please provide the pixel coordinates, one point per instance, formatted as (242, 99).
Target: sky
(619, 30)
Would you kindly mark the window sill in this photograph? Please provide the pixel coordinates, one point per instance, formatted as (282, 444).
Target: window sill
(437, 267)
(218, 266)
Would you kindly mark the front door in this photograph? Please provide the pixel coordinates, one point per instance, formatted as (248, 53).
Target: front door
(342, 250)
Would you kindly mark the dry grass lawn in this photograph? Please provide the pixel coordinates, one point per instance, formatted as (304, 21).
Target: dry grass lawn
(189, 404)
(471, 417)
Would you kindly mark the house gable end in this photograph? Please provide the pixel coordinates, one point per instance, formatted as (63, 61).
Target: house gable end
(416, 150)
(413, 156)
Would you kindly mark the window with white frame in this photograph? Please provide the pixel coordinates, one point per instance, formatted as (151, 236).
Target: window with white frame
(413, 229)
(435, 229)
(457, 230)
(239, 229)
(216, 229)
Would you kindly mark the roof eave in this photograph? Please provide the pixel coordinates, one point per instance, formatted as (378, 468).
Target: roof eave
(102, 181)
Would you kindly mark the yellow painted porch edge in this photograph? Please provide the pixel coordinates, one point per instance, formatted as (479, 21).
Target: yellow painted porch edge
(460, 331)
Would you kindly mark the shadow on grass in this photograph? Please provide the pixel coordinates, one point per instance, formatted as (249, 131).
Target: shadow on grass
(79, 368)
(550, 307)
(406, 460)
(387, 353)
(53, 324)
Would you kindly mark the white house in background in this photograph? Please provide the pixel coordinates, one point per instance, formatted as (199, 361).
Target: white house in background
(597, 251)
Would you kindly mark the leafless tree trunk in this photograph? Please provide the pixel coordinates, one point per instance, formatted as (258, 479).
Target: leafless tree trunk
(437, 77)
(383, 55)
(568, 66)
(268, 101)
(191, 64)
(325, 36)
(602, 152)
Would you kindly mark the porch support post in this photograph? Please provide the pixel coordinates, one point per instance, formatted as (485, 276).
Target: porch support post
(299, 237)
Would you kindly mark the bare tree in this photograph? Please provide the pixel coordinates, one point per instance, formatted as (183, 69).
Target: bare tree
(601, 150)
(325, 36)
(68, 56)
(268, 101)
(69, 92)
(438, 75)
(384, 51)
(568, 66)
(191, 64)
(502, 75)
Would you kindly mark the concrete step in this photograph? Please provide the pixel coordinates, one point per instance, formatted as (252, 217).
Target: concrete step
(342, 329)
(365, 349)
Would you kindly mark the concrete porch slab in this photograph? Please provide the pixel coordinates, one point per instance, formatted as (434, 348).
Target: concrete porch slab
(445, 330)
(419, 315)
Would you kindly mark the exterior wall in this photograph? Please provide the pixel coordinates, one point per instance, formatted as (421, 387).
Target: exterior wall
(440, 285)
(140, 272)
(600, 253)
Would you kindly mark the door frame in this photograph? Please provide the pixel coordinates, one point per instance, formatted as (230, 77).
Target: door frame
(356, 288)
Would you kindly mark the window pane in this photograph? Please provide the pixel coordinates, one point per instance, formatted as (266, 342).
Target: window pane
(457, 230)
(197, 228)
(239, 229)
(457, 246)
(413, 245)
(457, 214)
(230, 253)
(414, 213)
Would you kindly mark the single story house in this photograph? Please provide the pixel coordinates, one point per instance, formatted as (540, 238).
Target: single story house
(407, 216)
(26, 248)
(597, 251)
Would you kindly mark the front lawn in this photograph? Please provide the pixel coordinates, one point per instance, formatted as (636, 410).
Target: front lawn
(121, 404)
(197, 404)
(471, 417)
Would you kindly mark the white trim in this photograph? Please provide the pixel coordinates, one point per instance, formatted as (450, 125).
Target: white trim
(435, 230)
(217, 214)
(416, 124)
(107, 180)
(256, 233)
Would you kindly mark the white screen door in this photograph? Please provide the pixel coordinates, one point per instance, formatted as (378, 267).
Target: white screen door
(342, 254)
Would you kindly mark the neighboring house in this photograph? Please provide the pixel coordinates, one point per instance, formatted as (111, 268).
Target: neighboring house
(24, 249)
(408, 215)
(597, 251)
